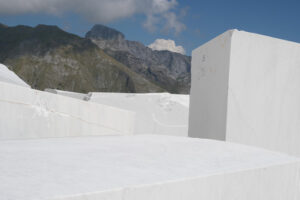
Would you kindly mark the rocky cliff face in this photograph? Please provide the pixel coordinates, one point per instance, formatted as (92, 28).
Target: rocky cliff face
(169, 70)
(47, 57)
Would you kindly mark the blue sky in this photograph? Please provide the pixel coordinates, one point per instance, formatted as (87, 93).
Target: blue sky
(203, 20)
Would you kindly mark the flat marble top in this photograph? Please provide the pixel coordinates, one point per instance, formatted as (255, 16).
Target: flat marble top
(48, 168)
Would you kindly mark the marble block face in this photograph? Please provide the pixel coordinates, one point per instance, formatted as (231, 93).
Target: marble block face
(144, 167)
(28, 113)
(156, 113)
(246, 89)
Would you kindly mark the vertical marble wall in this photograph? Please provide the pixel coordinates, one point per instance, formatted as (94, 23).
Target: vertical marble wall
(246, 89)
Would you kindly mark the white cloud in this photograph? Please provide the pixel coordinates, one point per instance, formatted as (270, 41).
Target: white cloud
(102, 11)
(172, 23)
(162, 44)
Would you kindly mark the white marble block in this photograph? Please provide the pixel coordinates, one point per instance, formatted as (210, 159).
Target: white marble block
(156, 113)
(28, 113)
(144, 168)
(246, 89)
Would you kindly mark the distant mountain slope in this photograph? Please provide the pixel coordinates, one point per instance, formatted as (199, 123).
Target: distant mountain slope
(48, 57)
(169, 70)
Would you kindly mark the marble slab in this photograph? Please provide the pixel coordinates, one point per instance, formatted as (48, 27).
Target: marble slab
(28, 113)
(144, 167)
(156, 113)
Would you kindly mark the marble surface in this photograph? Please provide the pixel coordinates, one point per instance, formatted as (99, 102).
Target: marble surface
(156, 113)
(9, 76)
(208, 96)
(28, 113)
(264, 93)
(246, 89)
(143, 167)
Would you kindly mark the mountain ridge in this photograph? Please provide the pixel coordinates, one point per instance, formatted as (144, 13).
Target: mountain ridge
(48, 57)
(169, 70)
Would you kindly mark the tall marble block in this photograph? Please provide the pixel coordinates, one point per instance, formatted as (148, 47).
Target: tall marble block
(246, 89)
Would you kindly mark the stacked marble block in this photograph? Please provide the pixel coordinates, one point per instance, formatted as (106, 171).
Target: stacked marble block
(156, 113)
(28, 113)
(246, 89)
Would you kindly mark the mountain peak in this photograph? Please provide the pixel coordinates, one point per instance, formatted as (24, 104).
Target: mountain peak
(102, 32)
(43, 26)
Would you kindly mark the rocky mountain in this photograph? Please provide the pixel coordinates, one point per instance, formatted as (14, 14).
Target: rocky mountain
(48, 57)
(169, 70)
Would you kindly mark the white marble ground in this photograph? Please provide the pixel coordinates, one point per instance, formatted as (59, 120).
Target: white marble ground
(115, 167)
